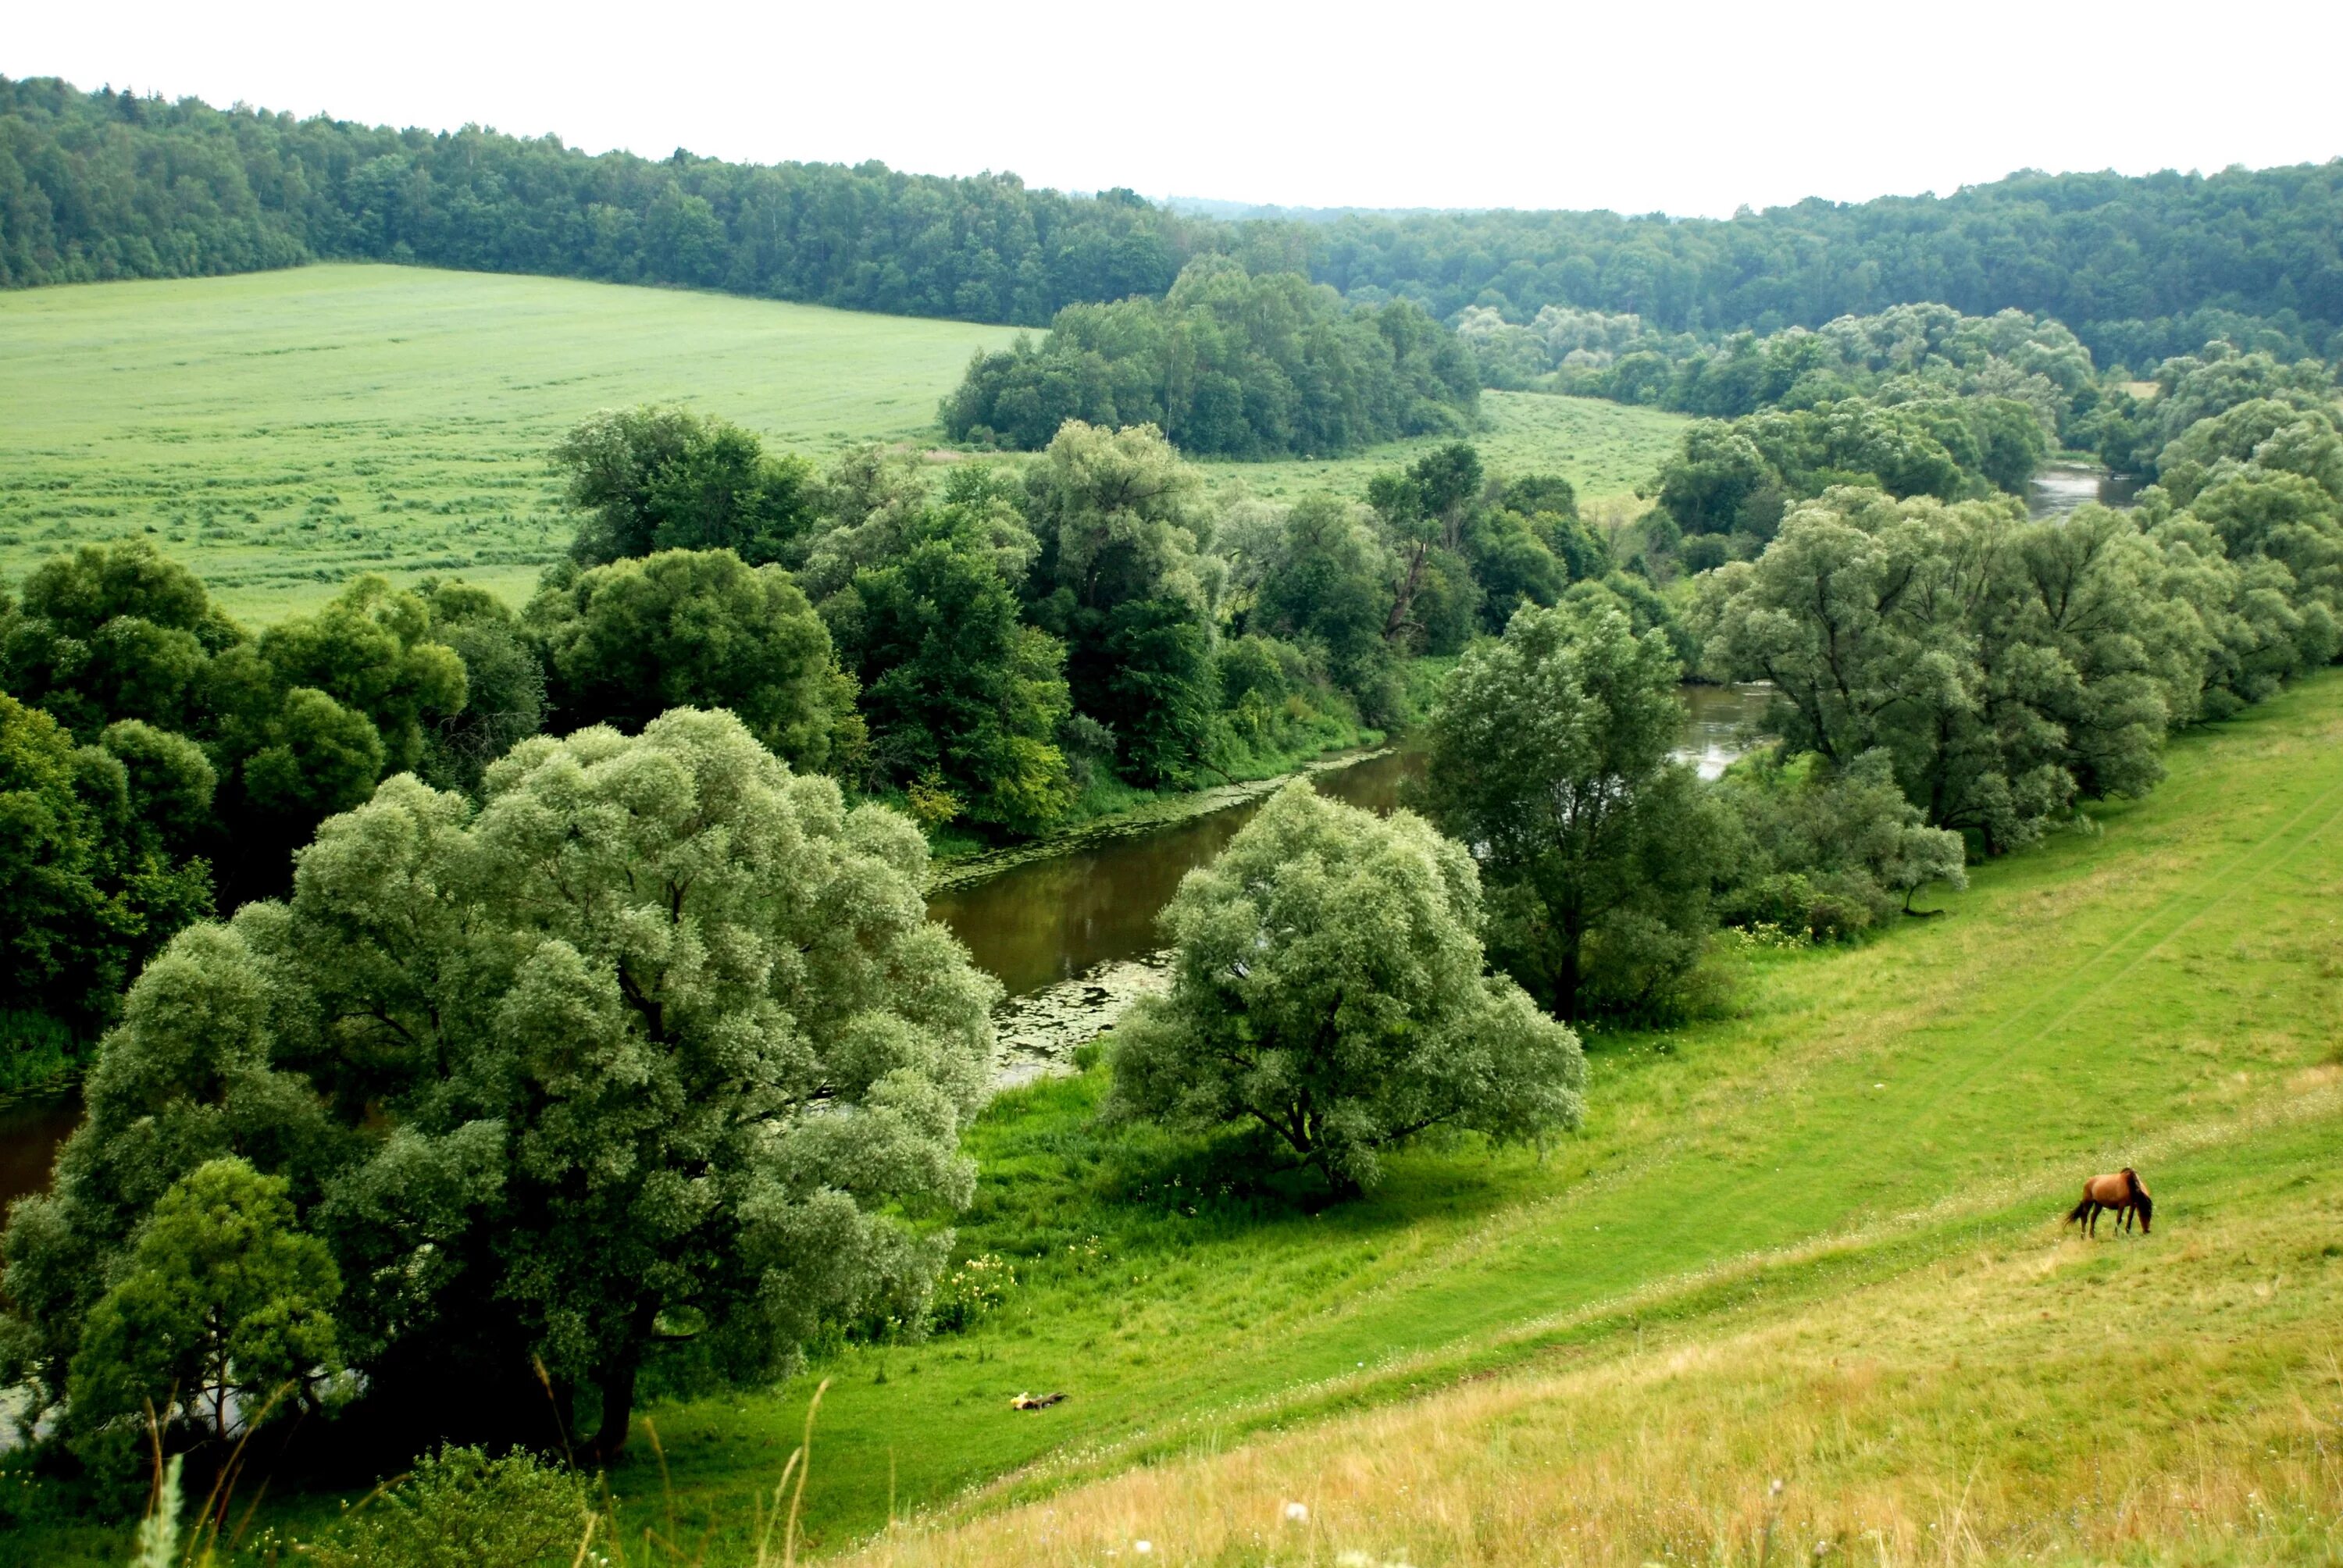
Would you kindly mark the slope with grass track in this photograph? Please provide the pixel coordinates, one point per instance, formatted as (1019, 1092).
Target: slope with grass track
(2027, 1396)
(284, 431)
(2151, 993)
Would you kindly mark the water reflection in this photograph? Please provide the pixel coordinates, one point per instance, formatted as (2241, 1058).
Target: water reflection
(2060, 489)
(1720, 723)
(1046, 921)
(32, 1126)
(1049, 921)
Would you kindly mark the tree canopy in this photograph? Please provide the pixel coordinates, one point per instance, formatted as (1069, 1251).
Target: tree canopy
(654, 1054)
(1328, 989)
(623, 643)
(1228, 365)
(1548, 754)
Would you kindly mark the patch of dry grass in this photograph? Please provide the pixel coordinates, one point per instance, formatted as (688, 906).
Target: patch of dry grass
(2174, 1399)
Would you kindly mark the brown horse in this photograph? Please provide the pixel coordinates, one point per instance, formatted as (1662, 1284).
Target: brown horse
(2122, 1191)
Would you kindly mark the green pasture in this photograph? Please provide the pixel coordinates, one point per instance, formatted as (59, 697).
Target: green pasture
(2164, 991)
(1605, 449)
(284, 431)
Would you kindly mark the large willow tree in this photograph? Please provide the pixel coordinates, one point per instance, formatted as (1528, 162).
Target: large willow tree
(654, 1053)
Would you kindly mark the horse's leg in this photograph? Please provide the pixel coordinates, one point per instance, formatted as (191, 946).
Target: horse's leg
(2091, 1226)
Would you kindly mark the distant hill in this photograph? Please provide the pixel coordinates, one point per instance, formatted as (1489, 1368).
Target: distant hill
(106, 184)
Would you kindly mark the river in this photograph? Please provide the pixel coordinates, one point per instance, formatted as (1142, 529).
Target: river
(2061, 487)
(1071, 938)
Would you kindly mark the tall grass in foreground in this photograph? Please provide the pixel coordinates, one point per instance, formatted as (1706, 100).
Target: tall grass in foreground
(2178, 1398)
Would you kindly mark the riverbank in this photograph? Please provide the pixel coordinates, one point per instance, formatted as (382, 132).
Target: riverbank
(1110, 809)
(978, 864)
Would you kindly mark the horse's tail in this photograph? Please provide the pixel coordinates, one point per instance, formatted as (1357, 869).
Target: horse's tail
(2081, 1211)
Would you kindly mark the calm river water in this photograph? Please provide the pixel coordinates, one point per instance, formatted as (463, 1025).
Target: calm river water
(1050, 926)
(1051, 921)
(2058, 490)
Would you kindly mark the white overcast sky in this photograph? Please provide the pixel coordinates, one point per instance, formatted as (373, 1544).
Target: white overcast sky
(1686, 108)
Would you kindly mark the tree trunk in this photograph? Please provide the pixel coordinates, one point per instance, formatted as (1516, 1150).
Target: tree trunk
(617, 1384)
(1403, 596)
(1567, 976)
(617, 1409)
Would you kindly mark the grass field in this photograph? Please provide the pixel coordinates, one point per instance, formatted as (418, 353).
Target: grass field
(284, 431)
(2151, 994)
(1816, 1242)
(1606, 449)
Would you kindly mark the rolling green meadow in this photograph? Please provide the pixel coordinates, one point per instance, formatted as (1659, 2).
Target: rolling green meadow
(2164, 991)
(282, 432)
(1818, 1238)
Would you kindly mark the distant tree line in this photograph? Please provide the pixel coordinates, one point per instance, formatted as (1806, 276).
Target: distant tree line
(1906, 353)
(108, 184)
(2140, 268)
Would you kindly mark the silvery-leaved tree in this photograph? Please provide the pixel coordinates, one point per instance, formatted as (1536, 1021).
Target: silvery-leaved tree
(1329, 988)
(654, 1053)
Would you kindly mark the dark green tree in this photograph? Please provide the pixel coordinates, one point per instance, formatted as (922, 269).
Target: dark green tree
(1121, 580)
(664, 479)
(1326, 580)
(955, 686)
(1548, 754)
(1328, 989)
(1422, 511)
(223, 1311)
(624, 643)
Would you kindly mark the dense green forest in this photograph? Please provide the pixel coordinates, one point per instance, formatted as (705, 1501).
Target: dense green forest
(100, 185)
(1013, 644)
(2141, 269)
(1228, 365)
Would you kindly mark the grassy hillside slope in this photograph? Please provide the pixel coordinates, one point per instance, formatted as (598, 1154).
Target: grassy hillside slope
(284, 431)
(2030, 1397)
(2151, 994)
(1865, 1167)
